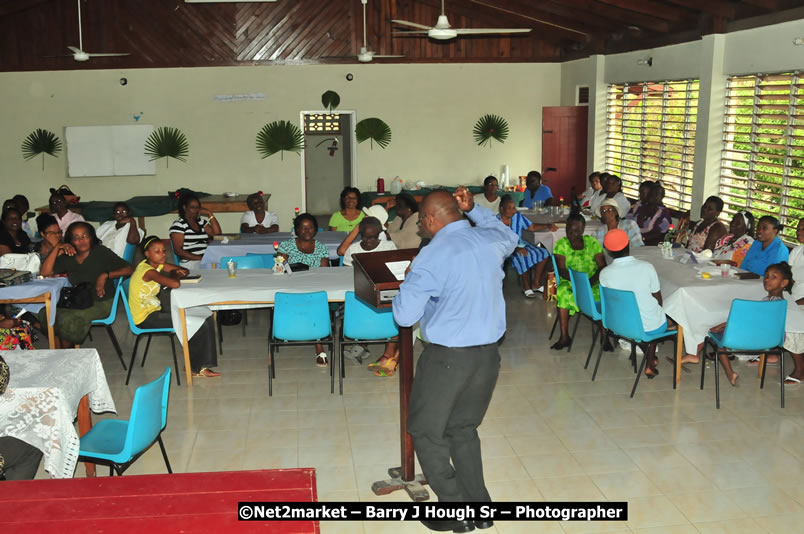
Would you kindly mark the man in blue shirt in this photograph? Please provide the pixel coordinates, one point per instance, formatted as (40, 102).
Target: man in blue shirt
(536, 192)
(454, 288)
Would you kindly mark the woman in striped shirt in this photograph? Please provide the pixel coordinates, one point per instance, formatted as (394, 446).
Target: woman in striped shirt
(190, 233)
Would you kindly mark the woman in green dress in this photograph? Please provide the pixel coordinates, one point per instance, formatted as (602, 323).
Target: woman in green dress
(584, 254)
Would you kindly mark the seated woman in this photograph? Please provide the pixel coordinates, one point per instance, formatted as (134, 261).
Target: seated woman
(734, 245)
(145, 296)
(652, 217)
(536, 191)
(489, 198)
(350, 214)
(644, 191)
(593, 191)
(58, 208)
(610, 214)
(404, 229)
(707, 232)
(612, 188)
(528, 259)
(120, 231)
(12, 238)
(370, 229)
(305, 249)
(87, 262)
(51, 234)
(584, 254)
(190, 233)
(23, 205)
(257, 220)
(767, 248)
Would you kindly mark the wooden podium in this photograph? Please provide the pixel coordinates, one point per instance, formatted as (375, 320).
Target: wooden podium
(377, 286)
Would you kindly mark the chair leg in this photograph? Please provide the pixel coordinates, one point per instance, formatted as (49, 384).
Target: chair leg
(270, 370)
(111, 471)
(717, 380)
(639, 373)
(164, 454)
(175, 361)
(762, 369)
(245, 321)
(555, 324)
(633, 355)
(781, 374)
(675, 357)
(341, 366)
(597, 363)
(572, 338)
(116, 345)
(595, 332)
(331, 362)
(133, 355)
(147, 346)
(703, 361)
(89, 333)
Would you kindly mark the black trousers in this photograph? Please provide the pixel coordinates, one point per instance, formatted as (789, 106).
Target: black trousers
(451, 392)
(203, 351)
(21, 459)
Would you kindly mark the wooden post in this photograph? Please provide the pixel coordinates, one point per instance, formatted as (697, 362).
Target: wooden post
(680, 353)
(185, 347)
(405, 384)
(51, 334)
(84, 426)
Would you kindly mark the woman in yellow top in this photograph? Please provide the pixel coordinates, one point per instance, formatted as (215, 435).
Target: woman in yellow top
(350, 214)
(146, 307)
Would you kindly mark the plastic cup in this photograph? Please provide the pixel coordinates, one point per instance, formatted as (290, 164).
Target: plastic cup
(232, 266)
(725, 270)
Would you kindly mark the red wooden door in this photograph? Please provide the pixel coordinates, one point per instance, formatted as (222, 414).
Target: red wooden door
(564, 149)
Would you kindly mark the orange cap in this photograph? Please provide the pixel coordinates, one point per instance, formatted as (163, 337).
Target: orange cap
(615, 240)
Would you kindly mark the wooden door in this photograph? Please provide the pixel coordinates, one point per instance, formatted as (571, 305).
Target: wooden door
(564, 149)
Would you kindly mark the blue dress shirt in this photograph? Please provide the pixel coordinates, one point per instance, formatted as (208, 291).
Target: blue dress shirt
(541, 194)
(455, 283)
(757, 260)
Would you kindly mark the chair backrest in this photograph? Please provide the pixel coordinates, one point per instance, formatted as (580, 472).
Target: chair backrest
(301, 316)
(267, 259)
(128, 253)
(582, 291)
(621, 313)
(340, 261)
(555, 269)
(243, 262)
(122, 291)
(755, 324)
(361, 321)
(147, 414)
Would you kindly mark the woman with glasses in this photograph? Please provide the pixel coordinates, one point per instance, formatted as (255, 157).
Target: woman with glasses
(120, 231)
(48, 228)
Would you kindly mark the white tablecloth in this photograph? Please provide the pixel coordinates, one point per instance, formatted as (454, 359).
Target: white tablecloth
(42, 399)
(255, 285)
(263, 244)
(35, 288)
(697, 304)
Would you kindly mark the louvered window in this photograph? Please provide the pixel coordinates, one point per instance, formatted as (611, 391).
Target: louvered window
(650, 135)
(322, 123)
(763, 157)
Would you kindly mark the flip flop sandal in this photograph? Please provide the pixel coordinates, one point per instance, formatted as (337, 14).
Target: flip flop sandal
(321, 359)
(206, 373)
(386, 370)
(530, 293)
(791, 381)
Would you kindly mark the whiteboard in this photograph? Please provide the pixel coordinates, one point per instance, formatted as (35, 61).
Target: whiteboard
(108, 150)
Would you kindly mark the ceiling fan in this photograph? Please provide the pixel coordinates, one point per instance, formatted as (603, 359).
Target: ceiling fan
(443, 31)
(78, 53)
(365, 55)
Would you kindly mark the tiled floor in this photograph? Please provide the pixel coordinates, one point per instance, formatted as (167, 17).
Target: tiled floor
(550, 433)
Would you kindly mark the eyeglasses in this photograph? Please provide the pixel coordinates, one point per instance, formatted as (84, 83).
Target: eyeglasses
(54, 233)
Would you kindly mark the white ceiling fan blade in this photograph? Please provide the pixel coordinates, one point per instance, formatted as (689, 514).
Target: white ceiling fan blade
(384, 56)
(107, 54)
(476, 31)
(75, 50)
(411, 24)
(411, 32)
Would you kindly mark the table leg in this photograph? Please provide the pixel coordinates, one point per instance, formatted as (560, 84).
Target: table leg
(84, 426)
(51, 334)
(185, 347)
(680, 353)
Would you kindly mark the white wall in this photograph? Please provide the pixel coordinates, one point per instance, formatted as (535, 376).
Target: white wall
(431, 110)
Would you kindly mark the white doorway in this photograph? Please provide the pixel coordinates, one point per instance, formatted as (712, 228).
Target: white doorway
(329, 159)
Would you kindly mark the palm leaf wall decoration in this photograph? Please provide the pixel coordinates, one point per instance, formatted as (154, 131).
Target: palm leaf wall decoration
(330, 100)
(490, 127)
(279, 136)
(375, 130)
(41, 142)
(167, 142)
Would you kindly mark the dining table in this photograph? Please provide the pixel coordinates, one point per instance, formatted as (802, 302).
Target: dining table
(34, 295)
(696, 303)
(242, 244)
(47, 390)
(190, 304)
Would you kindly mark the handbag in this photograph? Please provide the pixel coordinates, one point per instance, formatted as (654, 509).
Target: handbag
(21, 262)
(76, 298)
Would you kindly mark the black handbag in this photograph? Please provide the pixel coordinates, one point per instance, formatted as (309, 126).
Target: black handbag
(76, 298)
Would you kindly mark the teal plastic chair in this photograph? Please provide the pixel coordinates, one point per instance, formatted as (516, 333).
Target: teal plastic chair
(588, 306)
(300, 319)
(621, 317)
(108, 321)
(119, 443)
(128, 253)
(244, 262)
(364, 324)
(150, 332)
(753, 327)
(267, 259)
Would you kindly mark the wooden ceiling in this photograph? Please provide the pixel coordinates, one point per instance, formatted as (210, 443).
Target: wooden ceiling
(172, 33)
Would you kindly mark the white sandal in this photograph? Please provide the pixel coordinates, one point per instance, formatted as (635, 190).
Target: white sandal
(321, 359)
(529, 293)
